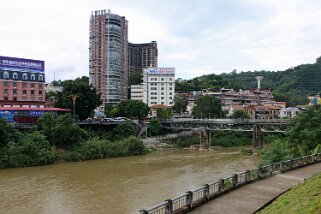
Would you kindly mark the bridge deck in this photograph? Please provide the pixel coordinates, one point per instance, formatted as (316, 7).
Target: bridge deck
(251, 197)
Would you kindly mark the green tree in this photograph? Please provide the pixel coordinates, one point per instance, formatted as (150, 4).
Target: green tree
(87, 100)
(164, 113)
(305, 132)
(4, 136)
(135, 78)
(207, 107)
(124, 130)
(155, 126)
(279, 151)
(108, 110)
(61, 130)
(180, 103)
(131, 108)
(239, 114)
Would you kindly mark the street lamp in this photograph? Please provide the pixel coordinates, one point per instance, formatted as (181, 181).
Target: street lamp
(74, 98)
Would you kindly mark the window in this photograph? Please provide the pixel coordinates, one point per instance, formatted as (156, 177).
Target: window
(14, 84)
(40, 77)
(24, 92)
(15, 76)
(170, 88)
(170, 98)
(32, 85)
(170, 79)
(162, 93)
(162, 88)
(5, 75)
(14, 99)
(153, 88)
(162, 79)
(170, 93)
(24, 76)
(39, 92)
(6, 98)
(14, 91)
(153, 93)
(24, 85)
(162, 98)
(33, 77)
(32, 92)
(5, 91)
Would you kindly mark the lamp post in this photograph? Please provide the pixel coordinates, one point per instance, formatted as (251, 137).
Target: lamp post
(74, 98)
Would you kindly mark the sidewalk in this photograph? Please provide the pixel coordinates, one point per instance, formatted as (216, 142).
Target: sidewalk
(251, 197)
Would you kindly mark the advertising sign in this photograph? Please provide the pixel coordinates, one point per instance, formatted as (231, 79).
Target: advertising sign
(19, 64)
(161, 70)
(317, 101)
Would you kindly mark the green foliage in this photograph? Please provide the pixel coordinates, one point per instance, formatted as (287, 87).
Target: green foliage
(305, 132)
(130, 108)
(303, 198)
(108, 110)
(239, 114)
(4, 135)
(291, 85)
(279, 151)
(180, 104)
(185, 141)
(31, 150)
(61, 130)
(207, 107)
(87, 100)
(156, 127)
(98, 149)
(124, 130)
(164, 113)
(231, 138)
(135, 78)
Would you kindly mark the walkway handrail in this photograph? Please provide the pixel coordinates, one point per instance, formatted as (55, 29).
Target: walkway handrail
(191, 199)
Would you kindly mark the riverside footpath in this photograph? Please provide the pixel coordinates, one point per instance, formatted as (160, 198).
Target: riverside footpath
(251, 197)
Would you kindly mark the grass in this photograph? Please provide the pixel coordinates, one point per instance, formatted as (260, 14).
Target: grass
(303, 198)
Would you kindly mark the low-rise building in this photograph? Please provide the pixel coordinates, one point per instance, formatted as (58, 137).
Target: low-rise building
(137, 92)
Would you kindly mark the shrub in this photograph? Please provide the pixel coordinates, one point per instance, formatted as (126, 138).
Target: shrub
(31, 150)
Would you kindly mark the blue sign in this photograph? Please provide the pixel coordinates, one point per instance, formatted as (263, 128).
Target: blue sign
(7, 115)
(19, 64)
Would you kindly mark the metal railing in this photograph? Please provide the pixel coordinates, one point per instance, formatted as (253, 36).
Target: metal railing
(191, 199)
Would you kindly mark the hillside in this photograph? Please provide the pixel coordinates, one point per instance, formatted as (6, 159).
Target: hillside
(291, 85)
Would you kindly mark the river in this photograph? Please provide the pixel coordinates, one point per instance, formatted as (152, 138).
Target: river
(119, 185)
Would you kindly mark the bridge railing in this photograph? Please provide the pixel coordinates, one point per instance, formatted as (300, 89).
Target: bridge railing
(191, 199)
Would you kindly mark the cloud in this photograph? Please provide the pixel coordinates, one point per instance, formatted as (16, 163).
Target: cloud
(207, 37)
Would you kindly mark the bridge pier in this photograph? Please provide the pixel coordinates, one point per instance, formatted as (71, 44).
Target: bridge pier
(205, 138)
(258, 137)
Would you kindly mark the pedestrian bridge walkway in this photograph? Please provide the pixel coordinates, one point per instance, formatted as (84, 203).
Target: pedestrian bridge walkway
(252, 197)
(245, 192)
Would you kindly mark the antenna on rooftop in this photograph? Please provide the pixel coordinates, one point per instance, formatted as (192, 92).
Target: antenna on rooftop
(259, 78)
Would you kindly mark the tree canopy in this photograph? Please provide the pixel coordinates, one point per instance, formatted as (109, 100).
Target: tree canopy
(87, 100)
(207, 107)
(180, 104)
(305, 133)
(130, 108)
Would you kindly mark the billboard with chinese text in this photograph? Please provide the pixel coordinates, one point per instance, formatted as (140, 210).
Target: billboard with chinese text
(20, 64)
(161, 70)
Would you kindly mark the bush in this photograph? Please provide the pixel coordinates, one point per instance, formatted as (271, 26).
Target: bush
(98, 149)
(279, 151)
(227, 139)
(31, 150)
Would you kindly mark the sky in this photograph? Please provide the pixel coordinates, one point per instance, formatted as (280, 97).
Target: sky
(196, 37)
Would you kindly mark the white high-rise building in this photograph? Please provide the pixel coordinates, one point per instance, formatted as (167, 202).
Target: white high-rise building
(159, 86)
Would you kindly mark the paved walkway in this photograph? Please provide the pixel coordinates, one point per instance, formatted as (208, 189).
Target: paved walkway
(251, 197)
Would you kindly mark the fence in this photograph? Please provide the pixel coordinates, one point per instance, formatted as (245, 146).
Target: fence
(191, 199)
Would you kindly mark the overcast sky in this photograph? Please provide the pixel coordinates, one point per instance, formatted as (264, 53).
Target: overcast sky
(196, 37)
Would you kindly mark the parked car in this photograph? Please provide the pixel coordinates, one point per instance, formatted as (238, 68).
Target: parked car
(121, 118)
(107, 119)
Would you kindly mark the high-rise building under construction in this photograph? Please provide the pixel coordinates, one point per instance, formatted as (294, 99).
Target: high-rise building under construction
(108, 56)
(142, 56)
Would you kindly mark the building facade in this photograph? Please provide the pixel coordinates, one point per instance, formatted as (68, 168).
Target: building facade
(159, 86)
(108, 56)
(137, 92)
(22, 82)
(141, 56)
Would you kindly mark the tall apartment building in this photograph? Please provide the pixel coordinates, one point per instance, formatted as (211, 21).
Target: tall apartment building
(159, 86)
(142, 56)
(22, 82)
(108, 56)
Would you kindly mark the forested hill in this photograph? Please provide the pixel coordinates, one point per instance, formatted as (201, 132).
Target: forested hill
(292, 85)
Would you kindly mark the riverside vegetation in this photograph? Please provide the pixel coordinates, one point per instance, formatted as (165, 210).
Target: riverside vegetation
(59, 139)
